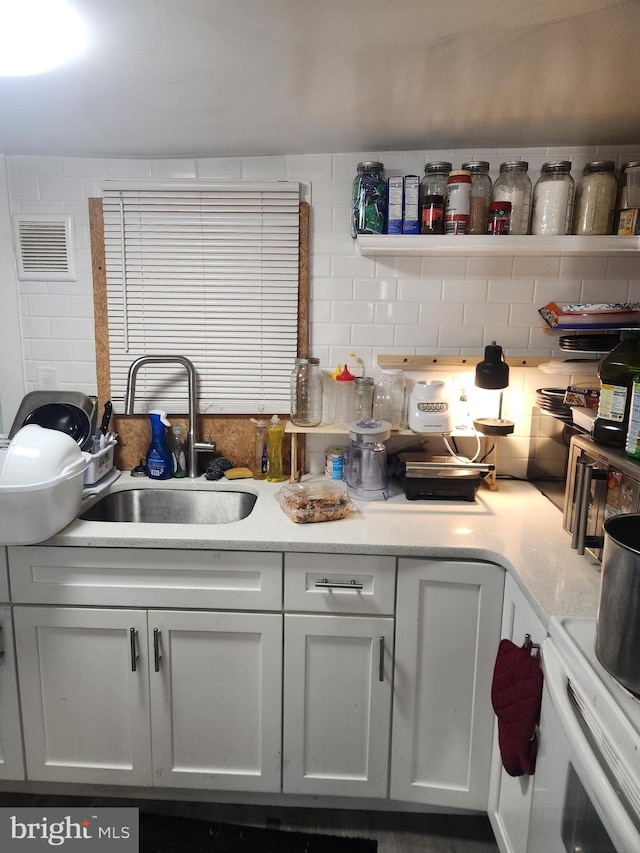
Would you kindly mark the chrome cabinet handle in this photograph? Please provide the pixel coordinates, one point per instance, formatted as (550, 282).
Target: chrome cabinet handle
(157, 657)
(327, 584)
(381, 664)
(134, 656)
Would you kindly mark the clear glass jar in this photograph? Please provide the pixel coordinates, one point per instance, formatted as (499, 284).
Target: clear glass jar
(623, 195)
(513, 184)
(433, 183)
(595, 200)
(481, 188)
(552, 209)
(306, 392)
(369, 199)
(363, 398)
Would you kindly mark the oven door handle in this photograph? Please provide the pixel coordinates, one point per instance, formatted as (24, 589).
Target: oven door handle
(586, 473)
(619, 825)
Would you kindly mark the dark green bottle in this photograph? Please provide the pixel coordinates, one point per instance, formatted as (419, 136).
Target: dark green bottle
(616, 372)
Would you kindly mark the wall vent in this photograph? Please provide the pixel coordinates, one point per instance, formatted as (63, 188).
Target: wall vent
(45, 247)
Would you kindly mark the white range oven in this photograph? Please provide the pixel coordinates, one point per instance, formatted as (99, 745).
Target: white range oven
(586, 796)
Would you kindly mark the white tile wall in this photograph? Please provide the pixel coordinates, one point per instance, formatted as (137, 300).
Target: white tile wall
(364, 305)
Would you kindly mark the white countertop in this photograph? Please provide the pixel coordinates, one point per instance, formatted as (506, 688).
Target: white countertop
(515, 527)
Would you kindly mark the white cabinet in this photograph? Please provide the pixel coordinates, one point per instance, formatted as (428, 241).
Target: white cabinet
(510, 797)
(209, 682)
(84, 689)
(216, 694)
(11, 761)
(138, 696)
(338, 674)
(447, 634)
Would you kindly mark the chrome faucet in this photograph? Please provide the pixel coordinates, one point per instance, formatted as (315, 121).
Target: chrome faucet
(194, 446)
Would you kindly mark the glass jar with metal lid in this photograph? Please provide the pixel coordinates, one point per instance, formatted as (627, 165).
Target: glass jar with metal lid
(513, 184)
(595, 199)
(433, 183)
(480, 197)
(306, 392)
(623, 197)
(369, 199)
(552, 209)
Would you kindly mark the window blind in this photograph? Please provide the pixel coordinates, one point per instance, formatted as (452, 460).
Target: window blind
(208, 271)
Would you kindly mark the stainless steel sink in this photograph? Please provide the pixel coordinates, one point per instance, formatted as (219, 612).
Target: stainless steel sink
(171, 506)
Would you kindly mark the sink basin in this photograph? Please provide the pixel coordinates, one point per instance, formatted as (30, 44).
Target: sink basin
(171, 506)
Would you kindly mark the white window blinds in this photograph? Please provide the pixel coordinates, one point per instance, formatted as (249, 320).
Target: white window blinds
(210, 272)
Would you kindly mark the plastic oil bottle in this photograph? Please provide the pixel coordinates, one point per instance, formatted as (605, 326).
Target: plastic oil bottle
(274, 451)
(616, 372)
(159, 456)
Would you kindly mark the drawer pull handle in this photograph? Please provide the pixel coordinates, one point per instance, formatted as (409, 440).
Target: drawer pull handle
(381, 664)
(327, 584)
(157, 657)
(134, 656)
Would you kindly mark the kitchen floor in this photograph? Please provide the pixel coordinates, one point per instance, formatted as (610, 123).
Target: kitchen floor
(395, 833)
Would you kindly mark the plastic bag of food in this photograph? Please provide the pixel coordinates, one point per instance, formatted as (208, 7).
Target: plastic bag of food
(306, 503)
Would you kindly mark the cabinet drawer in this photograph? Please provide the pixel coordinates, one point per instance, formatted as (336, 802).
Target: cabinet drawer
(219, 580)
(339, 583)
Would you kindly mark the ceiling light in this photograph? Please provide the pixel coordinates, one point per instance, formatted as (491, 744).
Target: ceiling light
(38, 35)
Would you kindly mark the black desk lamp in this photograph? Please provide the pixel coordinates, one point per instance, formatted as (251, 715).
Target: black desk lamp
(493, 374)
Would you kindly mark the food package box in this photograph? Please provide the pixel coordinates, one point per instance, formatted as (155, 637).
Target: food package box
(394, 205)
(585, 398)
(411, 206)
(629, 222)
(590, 315)
(306, 503)
(100, 464)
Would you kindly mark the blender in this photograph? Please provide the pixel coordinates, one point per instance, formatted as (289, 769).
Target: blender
(366, 460)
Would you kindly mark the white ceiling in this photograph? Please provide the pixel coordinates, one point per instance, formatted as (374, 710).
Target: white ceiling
(197, 78)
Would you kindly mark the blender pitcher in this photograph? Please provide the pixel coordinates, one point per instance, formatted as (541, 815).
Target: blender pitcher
(366, 460)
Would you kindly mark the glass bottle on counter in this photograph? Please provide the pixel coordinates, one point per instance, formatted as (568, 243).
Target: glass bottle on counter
(552, 209)
(616, 372)
(260, 455)
(434, 183)
(480, 198)
(306, 392)
(595, 200)
(179, 450)
(369, 199)
(513, 184)
(274, 451)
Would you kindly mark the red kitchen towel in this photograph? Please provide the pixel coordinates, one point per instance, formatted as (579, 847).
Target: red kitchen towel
(516, 695)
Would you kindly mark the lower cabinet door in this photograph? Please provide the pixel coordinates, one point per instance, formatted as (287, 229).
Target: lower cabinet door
(11, 761)
(216, 698)
(84, 686)
(448, 628)
(337, 707)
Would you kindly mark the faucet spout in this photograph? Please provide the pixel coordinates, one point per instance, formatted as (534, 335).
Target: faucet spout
(191, 375)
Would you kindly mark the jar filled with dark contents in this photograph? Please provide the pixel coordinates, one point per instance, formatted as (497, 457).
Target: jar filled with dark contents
(480, 196)
(369, 199)
(434, 183)
(432, 215)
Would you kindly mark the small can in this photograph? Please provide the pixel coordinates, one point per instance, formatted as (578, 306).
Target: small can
(499, 217)
(432, 214)
(334, 462)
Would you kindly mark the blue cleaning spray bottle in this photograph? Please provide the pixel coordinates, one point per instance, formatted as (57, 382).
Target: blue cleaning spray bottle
(159, 457)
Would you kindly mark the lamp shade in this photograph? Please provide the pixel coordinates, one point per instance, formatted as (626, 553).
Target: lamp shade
(493, 371)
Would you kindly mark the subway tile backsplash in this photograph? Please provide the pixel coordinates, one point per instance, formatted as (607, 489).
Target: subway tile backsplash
(411, 305)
